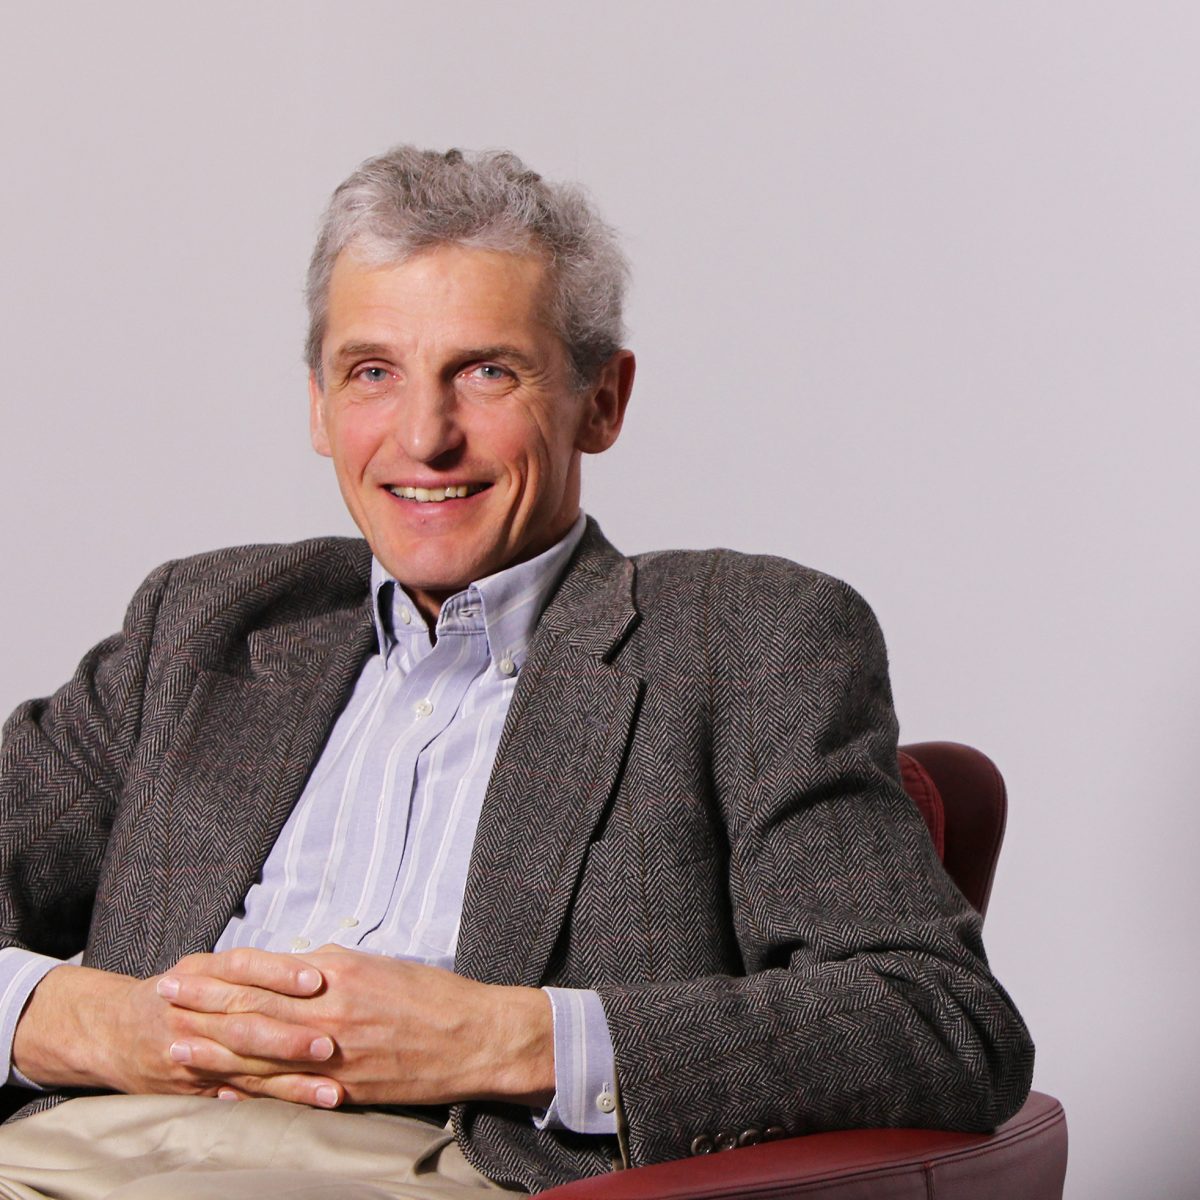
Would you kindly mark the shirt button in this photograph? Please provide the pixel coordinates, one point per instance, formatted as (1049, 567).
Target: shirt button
(348, 922)
(300, 943)
(506, 665)
(606, 1102)
(405, 616)
(422, 708)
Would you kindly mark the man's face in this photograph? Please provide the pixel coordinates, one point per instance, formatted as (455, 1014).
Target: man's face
(448, 411)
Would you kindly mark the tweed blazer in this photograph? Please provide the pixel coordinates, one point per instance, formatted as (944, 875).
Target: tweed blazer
(694, 810)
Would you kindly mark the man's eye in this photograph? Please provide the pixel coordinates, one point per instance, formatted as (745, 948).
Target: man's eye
(490, 373)
(373, 374)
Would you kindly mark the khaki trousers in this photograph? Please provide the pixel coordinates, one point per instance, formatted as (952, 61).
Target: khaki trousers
(192, 1148)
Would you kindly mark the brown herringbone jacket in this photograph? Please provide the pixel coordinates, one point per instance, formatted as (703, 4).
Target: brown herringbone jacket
(694, 810)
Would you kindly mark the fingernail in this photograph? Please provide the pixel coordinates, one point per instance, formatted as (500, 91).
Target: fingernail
(321, 1047)
(227, 1094)
(308, 979)
(181, 1052)
(167, 987)
(326, 1096)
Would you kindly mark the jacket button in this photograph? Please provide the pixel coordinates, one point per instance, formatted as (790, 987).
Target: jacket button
(750, 1137)
(702, 1144)
(726, 1140)
(773, 1133)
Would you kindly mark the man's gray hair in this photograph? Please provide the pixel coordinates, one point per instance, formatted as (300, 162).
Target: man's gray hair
(409, 200)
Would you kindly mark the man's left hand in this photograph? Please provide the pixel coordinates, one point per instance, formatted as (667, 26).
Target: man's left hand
(403, 1032)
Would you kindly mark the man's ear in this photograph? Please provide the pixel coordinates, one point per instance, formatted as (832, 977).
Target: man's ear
(316, 417)
(604, 404)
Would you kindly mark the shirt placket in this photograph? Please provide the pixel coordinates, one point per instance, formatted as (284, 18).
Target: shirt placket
(422, 712)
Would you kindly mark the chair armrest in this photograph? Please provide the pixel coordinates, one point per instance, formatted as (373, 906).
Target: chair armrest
(1026, 1157)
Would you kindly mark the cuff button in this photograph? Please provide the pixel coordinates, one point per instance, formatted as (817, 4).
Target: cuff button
(702, 1144)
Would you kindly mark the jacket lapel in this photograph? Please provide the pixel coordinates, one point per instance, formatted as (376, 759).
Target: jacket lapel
(559, 759)
(268, 727)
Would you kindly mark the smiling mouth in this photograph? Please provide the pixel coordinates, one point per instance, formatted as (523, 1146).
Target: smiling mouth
(436, 495)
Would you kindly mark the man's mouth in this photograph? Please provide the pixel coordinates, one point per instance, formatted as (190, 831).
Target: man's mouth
(436, 495)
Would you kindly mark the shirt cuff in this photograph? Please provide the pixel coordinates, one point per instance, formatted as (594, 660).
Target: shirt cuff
(585, 1097)
(20, 972)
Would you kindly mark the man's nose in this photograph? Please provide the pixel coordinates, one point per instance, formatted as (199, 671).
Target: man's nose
(427, 424)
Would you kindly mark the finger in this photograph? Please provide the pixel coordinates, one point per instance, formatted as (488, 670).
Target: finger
(246, 1036)
(204, 1059)
(313, 1090)
(282, 973)
(205, 994)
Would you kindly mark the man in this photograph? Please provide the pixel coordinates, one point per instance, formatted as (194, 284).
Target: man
(663, 790)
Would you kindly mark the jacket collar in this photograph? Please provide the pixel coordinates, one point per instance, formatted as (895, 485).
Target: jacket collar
(593, 608)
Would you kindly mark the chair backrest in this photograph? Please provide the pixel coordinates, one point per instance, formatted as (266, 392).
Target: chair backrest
(961, 795)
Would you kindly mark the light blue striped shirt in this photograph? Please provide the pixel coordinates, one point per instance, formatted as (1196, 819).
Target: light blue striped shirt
(374, 855)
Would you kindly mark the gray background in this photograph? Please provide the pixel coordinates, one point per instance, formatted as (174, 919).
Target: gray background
(915, 302)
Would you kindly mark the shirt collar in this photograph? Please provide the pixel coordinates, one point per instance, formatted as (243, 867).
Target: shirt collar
(510, 602)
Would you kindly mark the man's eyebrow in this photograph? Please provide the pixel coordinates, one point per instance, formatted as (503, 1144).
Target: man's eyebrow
(501, 352)
(356, 350)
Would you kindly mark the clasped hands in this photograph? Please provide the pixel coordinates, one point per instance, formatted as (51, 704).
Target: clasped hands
(334, 1027)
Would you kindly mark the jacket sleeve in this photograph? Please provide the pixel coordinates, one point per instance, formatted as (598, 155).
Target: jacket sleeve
(865, 998)
(62, 765)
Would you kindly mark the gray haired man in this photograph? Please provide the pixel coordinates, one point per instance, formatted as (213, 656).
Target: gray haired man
(475, 854)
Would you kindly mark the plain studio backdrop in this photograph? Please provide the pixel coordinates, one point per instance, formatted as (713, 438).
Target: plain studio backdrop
(915, 301)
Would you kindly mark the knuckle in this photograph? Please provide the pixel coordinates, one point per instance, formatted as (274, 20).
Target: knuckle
(241, 999)
(240, 1030)
(241, 959)
(290, 1042)
(339, 968)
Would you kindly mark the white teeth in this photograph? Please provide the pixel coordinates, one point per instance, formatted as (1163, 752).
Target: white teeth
(432, 495)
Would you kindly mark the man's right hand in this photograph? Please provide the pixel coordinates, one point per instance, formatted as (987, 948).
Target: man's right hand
(89, 1028)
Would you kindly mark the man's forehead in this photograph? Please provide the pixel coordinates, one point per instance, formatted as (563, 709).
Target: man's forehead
(464, 283)
(443, 261)
(463, 300)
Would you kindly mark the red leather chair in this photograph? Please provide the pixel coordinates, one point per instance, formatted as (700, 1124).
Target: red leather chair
(962, 797)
